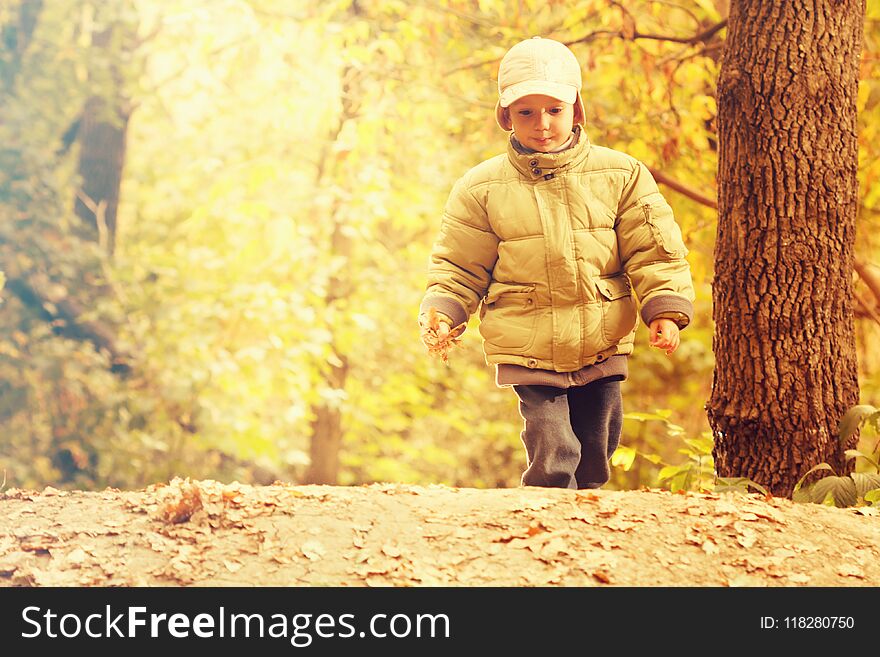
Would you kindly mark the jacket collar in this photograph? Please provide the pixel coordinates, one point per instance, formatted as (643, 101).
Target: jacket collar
(534, 164)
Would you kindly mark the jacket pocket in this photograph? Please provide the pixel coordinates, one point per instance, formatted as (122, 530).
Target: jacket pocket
(509, 316)
(618, 308)
(664, 229)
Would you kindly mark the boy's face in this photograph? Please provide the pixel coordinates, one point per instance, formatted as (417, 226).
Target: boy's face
(541, 123)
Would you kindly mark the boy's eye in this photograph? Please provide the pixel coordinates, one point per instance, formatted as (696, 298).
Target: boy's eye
(555, 110)
(524, 112)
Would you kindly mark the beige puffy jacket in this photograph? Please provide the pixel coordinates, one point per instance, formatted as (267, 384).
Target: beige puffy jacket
(555, 248)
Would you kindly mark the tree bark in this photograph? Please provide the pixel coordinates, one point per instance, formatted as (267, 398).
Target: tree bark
(15, 37)
(102, 155)
(102, 136)
(784, 337)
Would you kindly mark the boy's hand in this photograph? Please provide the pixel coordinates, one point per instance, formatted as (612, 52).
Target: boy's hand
(437, 334)
(665, 335)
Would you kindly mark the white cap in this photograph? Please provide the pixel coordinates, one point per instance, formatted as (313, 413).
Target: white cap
(538, 66)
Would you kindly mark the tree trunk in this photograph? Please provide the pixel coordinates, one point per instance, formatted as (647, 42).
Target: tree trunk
(16, 37)
(784, 337)
(102, 135)
(327, 432)
(327, 427)
(102, 155)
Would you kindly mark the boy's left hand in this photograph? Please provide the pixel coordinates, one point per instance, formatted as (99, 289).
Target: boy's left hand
(665, 335)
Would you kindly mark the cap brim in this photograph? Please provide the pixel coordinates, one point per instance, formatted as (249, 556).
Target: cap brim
(564, 92)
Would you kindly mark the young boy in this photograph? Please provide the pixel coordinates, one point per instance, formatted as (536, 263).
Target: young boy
(554, 241)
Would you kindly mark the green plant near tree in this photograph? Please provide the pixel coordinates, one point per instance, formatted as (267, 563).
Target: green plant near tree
(862, 487)
(695, 473)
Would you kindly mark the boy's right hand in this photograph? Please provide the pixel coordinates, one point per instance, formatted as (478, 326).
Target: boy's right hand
(436, 332)
(428, 332)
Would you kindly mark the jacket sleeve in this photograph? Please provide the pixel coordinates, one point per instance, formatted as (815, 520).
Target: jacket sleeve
(652, 251)
(463, 257)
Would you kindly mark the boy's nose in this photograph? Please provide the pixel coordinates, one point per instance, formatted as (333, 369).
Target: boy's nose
(544, 120)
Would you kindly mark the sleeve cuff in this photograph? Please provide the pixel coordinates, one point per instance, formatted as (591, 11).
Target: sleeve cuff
(668, 306)
(447, 306)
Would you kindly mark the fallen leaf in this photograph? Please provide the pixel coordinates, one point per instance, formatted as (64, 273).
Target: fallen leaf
(747, 540)
(183, 500)
(556, 545)
(536, 528)
(868, 511)
(710, 547)
(602, 576)
(391, 550)
(723, 506)
(51, 578)
(724, 521)
(620, 525)
(367, 569)
(233, 566)
(767, 512)
(359, 541)
(741, 580)
(463, 532)
(799, 578)
(38, 543)
(583, 516)
(313, 550)
(536, 505)
(76, 556)
(850, 570)
(783, 553)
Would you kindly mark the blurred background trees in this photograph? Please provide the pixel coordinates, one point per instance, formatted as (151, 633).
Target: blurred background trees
(215, 219)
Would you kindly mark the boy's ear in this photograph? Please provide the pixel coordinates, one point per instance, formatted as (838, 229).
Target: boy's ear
(579, 118)
(504, 119)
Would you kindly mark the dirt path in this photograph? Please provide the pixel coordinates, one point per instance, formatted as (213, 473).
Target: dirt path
(208, 534)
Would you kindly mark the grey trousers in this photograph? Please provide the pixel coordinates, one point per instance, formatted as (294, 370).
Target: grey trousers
(570, 433)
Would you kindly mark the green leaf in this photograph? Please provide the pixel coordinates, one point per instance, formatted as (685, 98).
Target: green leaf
(737, 484)
(841, 489)
(711, 10)
(644, 417)
(854, 454)
(821, 466)
(702, 444)
(672, 470)
(623, 456)
(865, 482)
(853, 418)
(873, 496)
(801, 496)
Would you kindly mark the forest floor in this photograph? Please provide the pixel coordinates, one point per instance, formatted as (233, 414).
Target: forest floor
(204, 533)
